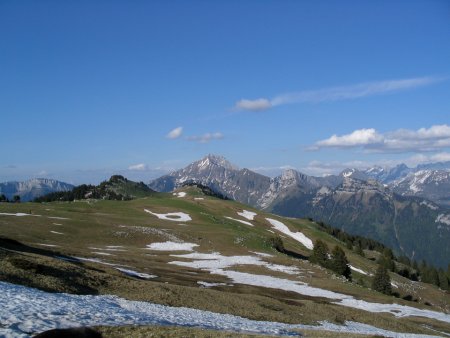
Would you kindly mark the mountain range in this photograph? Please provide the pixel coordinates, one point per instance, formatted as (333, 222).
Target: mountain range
(30, 189)
(403, 208)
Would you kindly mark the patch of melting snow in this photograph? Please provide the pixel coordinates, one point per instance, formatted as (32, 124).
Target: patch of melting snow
(94, 260)
(247, 214)
(239, 220)
(262, 254)
(54, 217)
(198, 198)
(133, 273)
(18, 214)
(298, 236)
(429, 205)
(180, 194)
(210, 285)
(213, 261)
(171, 246)
(444, 219)
(216, 264)
(43, 311)
(56, 223)
(357, 270)
(56, 232)
(48, 245)
(172, 216)
(102, 253)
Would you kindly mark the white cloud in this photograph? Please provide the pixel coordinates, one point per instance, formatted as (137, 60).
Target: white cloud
(253, 105)
(359, 137)
(205, 138)
(337, 93)
(42, 173)
(175, 133)
(440, 157)
(403, 140)
(318, 168)
(138, 167)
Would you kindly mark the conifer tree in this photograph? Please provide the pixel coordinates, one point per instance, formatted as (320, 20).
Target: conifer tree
(339, 262)
(382, 281)
(320, 254)
(387, 259)
(443, 280)
(359, 250)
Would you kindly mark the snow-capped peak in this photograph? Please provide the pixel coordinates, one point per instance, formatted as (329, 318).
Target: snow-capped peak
(348, 172)
(211, 160)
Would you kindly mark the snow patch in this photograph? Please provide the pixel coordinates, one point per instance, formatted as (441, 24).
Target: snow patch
(239, 220)
(247, 214)
(215, 261)
(102, 253)
(298, 236)
(216, 264)
(171, 246)
(136, 274)
(358, 270)
(444, 219)
(429, 205)
(262, 254)
(209, 285)
(17, 214)
(172, 216)
(48, 245)
(94, 260)
(198, 198)
(43, 311)
(180, 194)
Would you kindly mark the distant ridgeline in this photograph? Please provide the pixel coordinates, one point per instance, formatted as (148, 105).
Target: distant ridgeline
(116, 188)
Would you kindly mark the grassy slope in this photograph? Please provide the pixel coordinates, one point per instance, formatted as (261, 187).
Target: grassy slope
(96, 224)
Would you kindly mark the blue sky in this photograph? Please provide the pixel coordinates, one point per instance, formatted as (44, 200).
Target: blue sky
(91, 88)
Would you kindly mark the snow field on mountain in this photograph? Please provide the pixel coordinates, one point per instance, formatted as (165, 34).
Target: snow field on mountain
(239, 220)
(357, 270)
(172, 246)
(22, 214)
(217, 264)
(172, 216)
(133, 273)
(298, 236)
(26, 311)
(213, 261)
(248, 214)
(444, 219)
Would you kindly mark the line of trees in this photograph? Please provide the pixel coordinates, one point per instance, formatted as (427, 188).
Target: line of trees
(15, 199)
(401, 265)
(335, 261)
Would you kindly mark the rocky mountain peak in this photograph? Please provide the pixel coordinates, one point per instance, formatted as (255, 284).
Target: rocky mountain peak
(212, 160)
(289, 175)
